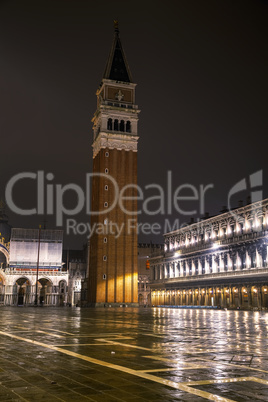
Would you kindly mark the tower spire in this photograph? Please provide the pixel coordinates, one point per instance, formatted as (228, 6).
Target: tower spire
(116, 28)
(117, 68)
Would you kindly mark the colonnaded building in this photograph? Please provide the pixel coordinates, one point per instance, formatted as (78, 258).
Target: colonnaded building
(19, 249)
(218, 262)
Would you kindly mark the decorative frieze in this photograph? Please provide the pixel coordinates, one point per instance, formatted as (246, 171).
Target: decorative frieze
(118, 141)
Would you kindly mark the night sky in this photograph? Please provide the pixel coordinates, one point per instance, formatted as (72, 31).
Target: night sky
(201, 69)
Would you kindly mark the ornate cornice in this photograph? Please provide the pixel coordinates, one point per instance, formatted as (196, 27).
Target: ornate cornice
(258, 208)
(115, 141)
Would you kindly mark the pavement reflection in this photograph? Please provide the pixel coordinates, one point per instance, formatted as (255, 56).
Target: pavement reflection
(125, 354)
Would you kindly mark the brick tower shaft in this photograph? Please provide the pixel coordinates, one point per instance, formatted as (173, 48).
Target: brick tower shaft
(113, 276)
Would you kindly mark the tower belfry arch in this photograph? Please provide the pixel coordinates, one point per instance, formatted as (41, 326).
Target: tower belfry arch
(113, 272)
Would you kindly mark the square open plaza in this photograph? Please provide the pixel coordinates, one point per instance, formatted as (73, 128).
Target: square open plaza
(122, 320)
(132, 354)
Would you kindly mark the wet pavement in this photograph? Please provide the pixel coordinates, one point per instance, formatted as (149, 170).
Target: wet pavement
(124, 354)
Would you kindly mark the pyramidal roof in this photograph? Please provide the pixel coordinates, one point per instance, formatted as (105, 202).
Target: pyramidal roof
(117, 68)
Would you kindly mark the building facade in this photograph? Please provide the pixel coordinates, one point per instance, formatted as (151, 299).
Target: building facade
(218, 262)
(144, 275)
(113, 271)
(76, 263)
(33, 257)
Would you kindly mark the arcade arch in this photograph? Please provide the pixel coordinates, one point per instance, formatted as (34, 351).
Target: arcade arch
(22, 291)
(2, 290)
(45, 292)
(4, 256)
(63, 290)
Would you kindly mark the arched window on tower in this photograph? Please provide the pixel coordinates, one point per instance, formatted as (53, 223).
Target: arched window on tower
(110, 124)
(122, 125)
(116, 125)
(128, 127)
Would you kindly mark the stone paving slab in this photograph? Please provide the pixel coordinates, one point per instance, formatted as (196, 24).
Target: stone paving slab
(124, 354)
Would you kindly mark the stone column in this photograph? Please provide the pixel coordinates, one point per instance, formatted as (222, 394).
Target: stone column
(166, 271)
(249, 296)
(207, 269)
(259, 263)
(227, 297)
(196, 267)
(199, 297)
(264, 255)
(252, 255)
(214, 264)
(206, 297)
(214, 296)
(238, 261)
(170, 265)
(176, 269)
(248, 259)
(190, 263)
(239, 297)
(190, 297)
(176, 297)
(234, 260)
(243, 256)
(186, 268)
(259, 303)
(221, 258)
(193, 295)
(199, 267)
(231, 297)
(161, 271)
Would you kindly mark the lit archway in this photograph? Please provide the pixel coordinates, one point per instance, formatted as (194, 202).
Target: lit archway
(63, 292)
(22, 291)
(45, 291)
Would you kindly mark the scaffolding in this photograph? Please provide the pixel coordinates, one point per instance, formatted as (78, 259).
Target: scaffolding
(24, 248)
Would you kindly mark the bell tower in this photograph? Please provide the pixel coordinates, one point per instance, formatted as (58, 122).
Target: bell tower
(113, 272)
